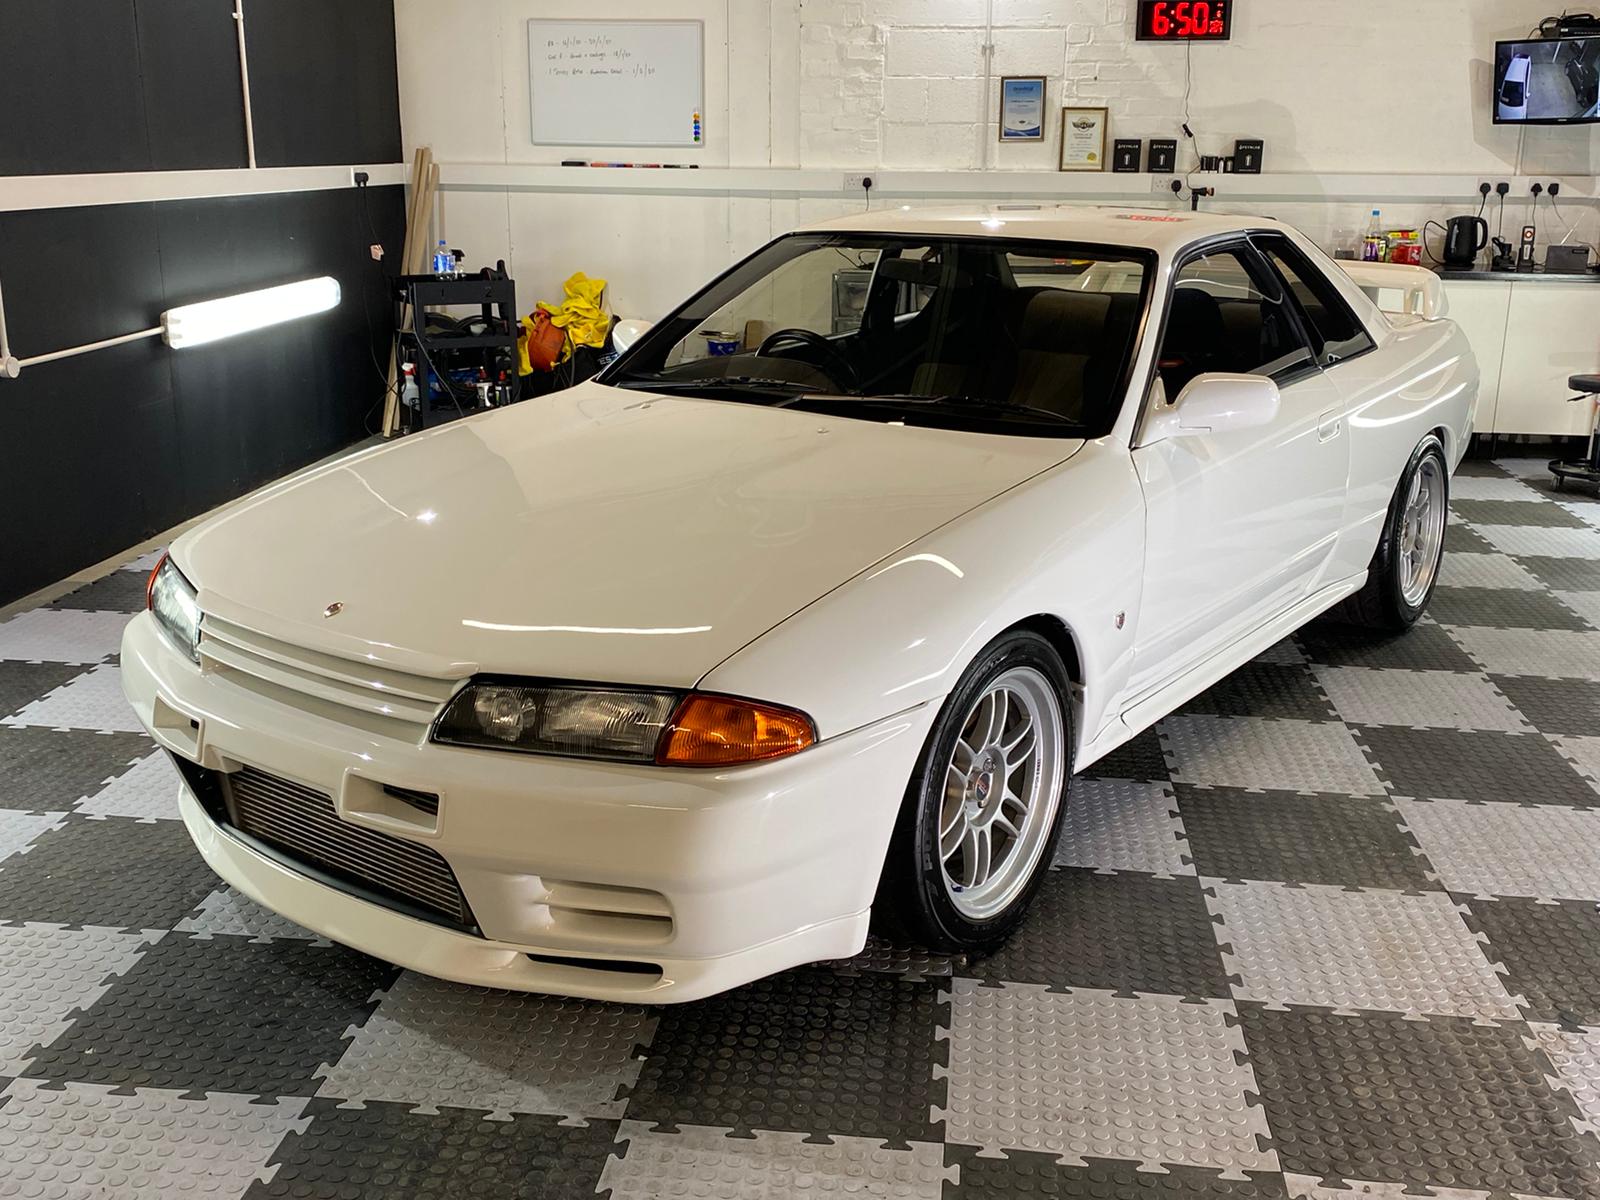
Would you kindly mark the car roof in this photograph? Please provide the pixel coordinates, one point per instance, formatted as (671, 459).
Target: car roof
(1166, 231)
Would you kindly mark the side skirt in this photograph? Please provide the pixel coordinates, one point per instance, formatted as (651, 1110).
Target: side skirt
(1145, 712)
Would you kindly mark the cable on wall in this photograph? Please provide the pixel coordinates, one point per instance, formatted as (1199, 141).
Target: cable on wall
(988, 83)
(9, 367)
(244, 84)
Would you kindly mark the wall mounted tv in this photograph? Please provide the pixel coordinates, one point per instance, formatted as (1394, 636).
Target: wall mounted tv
(1548, 81)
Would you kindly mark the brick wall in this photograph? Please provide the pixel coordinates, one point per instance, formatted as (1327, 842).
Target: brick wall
(1354, 86)
(1357, 86)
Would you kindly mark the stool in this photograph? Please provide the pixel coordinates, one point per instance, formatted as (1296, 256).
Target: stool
(1588, 471)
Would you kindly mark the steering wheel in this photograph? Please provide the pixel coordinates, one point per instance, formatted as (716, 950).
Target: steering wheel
(817, 342)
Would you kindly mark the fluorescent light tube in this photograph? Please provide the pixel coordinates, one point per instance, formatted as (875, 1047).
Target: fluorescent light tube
(196, 324)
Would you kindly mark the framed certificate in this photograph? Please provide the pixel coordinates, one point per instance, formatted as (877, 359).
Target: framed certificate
(1083, 139)
(1022, 108)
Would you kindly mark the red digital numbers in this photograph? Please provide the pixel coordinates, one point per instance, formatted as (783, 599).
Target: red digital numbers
(1178, 19)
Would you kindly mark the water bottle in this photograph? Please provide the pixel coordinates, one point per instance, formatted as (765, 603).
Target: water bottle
(444, 263)
(1372, 245)
(409, 396)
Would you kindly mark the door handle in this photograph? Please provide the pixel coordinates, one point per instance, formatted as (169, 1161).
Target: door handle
(1331, 427)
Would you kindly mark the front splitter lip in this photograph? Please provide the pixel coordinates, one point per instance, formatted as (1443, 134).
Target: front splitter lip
(433, 950)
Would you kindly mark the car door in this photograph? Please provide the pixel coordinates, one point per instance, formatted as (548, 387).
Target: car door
(1337, 336)
(1240, 526)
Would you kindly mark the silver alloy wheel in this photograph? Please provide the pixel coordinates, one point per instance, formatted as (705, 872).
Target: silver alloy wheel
(1003, 784)
(1422, 531)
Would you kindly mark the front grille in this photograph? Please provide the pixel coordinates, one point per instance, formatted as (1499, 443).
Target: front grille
(398, 704)
(303, 823)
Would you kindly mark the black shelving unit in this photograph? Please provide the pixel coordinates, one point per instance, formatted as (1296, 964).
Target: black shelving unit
(496, 297)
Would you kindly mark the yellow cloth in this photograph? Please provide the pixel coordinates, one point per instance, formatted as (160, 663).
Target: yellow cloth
(581, 314)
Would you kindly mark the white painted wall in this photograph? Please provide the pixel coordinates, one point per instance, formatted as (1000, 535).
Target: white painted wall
(1361, 86)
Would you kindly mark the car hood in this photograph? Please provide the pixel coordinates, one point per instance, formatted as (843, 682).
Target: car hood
(600, 534)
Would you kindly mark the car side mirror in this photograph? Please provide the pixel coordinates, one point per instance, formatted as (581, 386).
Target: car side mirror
(1216, 403)
(626, 333)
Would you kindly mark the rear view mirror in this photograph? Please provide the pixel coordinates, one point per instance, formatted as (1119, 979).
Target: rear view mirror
(1216, 403)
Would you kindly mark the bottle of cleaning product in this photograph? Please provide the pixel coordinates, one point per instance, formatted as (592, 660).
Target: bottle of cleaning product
(409, 396)
(444, 263)
(1373, 245)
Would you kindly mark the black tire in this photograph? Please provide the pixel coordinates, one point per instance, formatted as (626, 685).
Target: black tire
(1381, 604)
(912, 903)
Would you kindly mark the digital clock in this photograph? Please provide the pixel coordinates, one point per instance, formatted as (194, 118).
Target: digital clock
(1184, 20)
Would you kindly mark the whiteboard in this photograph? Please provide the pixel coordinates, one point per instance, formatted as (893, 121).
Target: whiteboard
(617, 83)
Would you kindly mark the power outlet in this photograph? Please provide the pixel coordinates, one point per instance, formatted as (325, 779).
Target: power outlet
(854, 183)
(1161, 185)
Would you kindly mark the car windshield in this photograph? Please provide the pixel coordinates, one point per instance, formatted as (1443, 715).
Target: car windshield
(976, 333)
(1512, 95)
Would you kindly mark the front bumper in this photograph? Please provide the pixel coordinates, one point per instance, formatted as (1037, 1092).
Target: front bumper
(742, 872)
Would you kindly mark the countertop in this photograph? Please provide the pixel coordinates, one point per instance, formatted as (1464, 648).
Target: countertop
(1587, 277)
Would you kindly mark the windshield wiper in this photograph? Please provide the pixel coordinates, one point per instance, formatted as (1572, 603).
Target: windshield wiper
(956, 404)
(728, 381)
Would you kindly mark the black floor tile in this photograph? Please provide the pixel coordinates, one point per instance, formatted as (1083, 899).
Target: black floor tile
(1347, 841)
(1435, 1103)
(383, 1151)
(805, 1051)
(1265, 690)
(44, 768)
(1563, 574)
(1424, 647)
(1569, 707)
(1482, 468)
(1502, 608)
(1518, 768)
(1123, 931)
(1140, 757)
(1516, 512)
(120, 591)
(220, 1014)
(21, 683)
(1551, 953)
(116, 872)
(1019, 1174)
(1461, 539)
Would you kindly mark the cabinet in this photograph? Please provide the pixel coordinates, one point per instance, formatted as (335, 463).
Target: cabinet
(1529, 334)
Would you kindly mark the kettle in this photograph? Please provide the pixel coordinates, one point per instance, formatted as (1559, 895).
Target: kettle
(1464, 237)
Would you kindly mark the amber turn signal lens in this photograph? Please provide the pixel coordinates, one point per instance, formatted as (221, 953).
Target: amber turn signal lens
(719, 731)
(150, 583)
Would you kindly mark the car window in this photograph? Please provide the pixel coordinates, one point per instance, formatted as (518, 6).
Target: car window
(969, 332)
(1336, 332)
(1223, 316)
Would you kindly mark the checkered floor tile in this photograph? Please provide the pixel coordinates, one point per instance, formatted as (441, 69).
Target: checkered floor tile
(1333, 929)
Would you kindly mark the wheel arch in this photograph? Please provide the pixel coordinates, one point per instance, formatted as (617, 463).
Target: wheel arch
(1065, 642)
(1443, 434)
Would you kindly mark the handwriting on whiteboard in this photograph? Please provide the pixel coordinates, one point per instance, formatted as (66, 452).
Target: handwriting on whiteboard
(596, 56)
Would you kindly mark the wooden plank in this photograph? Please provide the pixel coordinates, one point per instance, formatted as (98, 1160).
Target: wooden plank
(422, 174)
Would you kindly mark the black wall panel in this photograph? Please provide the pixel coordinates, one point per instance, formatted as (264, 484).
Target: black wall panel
(87, 445)
(153, 85)
(70, 96)
(102, 451)
(194, 102)
(311, 59)
(254, 407)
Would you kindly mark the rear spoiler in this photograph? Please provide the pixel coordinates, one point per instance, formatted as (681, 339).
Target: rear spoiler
(1421, 291)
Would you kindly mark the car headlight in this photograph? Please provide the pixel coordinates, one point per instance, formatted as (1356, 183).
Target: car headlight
(174, 602)
(622, 725)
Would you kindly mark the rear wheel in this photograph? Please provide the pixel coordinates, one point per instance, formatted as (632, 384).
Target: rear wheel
(983, 810)
(1405, 566)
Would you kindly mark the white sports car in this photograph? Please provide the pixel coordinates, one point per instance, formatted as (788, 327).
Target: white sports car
(695, 672)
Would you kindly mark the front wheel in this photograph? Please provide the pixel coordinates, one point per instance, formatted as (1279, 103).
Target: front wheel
(983, 810)
(1405, 566)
